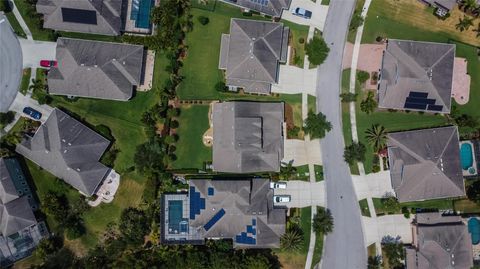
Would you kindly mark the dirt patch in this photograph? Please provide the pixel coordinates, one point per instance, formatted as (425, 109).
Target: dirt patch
(289, 116)
(291, 260)
(76, 246)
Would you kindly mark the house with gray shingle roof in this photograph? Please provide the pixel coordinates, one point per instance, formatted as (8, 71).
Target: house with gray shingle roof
(251, 53)
(439, 242)
(425, 164)
(416, 76)
(19, 230)
(272, 8)
(84, 16)
(68, 150)
(247, 137)
(96, 69)
(241, 210)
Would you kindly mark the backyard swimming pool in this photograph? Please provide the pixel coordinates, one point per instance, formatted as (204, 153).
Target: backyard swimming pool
(466, 155)
(176, 222)
(474, 230)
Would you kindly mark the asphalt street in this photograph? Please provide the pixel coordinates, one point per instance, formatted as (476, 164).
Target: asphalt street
(344, 247)
(11, 64)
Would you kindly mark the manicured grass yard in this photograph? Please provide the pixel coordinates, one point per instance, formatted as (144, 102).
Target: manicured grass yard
(201, 63)
(15, 24)
(317, 251)
(28, 13)
(346, 125)
(25, 80)
(364, 207)
(410, 19)
(191, 153)
(430, 204)
(297, 32)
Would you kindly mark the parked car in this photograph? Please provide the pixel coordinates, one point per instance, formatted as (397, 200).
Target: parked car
(48, 63)
(301, 12)
(32, 113)
(278, 185)
(281, 198)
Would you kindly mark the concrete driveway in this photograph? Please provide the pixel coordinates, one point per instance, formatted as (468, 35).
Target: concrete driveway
(319, 13)
(34, 51)
(21, 101)
(294, 80)
(303, 193)
(393, 225)
(302, 152)
(372, 185)
(11, 64)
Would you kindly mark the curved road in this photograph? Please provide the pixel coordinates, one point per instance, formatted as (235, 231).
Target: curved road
(344, 247)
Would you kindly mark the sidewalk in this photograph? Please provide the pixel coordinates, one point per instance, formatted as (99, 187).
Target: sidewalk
(20, 20)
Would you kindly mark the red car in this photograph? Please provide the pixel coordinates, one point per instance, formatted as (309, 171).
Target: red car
(48, 63)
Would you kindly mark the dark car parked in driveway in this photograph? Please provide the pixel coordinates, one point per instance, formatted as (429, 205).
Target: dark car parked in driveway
(32, 113)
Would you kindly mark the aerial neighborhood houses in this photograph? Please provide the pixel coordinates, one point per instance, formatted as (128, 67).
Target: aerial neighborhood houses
(427, 164)
(20, 232)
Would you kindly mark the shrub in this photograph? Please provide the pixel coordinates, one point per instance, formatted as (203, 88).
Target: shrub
(247, 14)
(203, 20)
(6, 118)
(317, 50)
(348, 97)
(174, 124)
(368, 104)
(406, 212)
(354, 152)
(357, 21)
(362, 76)
(293, 132)
(301, 40)
(379, 39)
(375, 168)
(221, 87)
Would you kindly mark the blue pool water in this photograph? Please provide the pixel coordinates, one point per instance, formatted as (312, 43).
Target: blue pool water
(175, 215)
(141, 13)
(466, 156)
(474, 230)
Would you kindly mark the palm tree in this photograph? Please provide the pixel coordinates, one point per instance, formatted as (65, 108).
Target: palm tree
(374, 262)
(316, 125)
(322, 221)
(292, 239)
(376, 137)
(477, 30)
(287, 170)
(368, 104)
(464, 24)
(469, 5)
(37, 85)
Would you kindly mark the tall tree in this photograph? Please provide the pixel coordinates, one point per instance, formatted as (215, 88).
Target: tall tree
(322, 221)
(376, 137)
(316, 125)
(464, 24)
(369, 104)
(354, 152)
(287, 170)
(317, 50)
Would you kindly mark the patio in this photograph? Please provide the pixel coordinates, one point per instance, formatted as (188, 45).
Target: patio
(461, 81)
(369, 60)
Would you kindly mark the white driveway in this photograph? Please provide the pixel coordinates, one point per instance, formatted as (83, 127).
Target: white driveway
(302, 152)
(21, 101)
(319, 13)
(34, 51)
(303, 193)
(372, 185)
(294, 80)
(394, 225)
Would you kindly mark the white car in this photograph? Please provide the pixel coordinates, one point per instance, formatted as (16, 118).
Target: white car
(278, 185)
(281, 198)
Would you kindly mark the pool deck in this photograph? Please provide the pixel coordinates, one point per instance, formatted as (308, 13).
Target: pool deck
(130, 24)
(170, 235)
(466, 173)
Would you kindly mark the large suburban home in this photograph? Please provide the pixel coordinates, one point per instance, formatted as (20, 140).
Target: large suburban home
(425, 164)
(84, 16)
(20, 232)
(247, 137)
(439, 242)
(96, 69)
(241, 210)
(68, 150)
(443, 6)
(272, 8)
(251, 53)
(416, 76)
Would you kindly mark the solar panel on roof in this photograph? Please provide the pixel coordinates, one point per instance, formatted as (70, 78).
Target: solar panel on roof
(435, 107)
(418, 94)
(79, 15)
(415, 106)
(214, 219)
(420, 100)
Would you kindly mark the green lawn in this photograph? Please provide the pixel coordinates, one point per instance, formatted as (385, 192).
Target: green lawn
(346, 124)
(297, 34)
(312, 103)
(358, 8)
(325, 2)
(306, 225)
(33, 21)
(191, 153)
(364, 207)
(318, 172)
(317, 251)
(466, 206)
(302, 173)
(200, 67)
(90, 36)
(392, 121)
(25, 80)
(430, 204)
(15, 25)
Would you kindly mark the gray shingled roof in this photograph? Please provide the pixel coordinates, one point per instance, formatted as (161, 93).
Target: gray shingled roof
(69, 150)
(441, 243)
(425, 164)
(15, 211)
(448, 4)
(273, 8)
(419, 67)
(242, 200)
(251, 53)
(247, 136)
(108, 16)
(96, 69)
